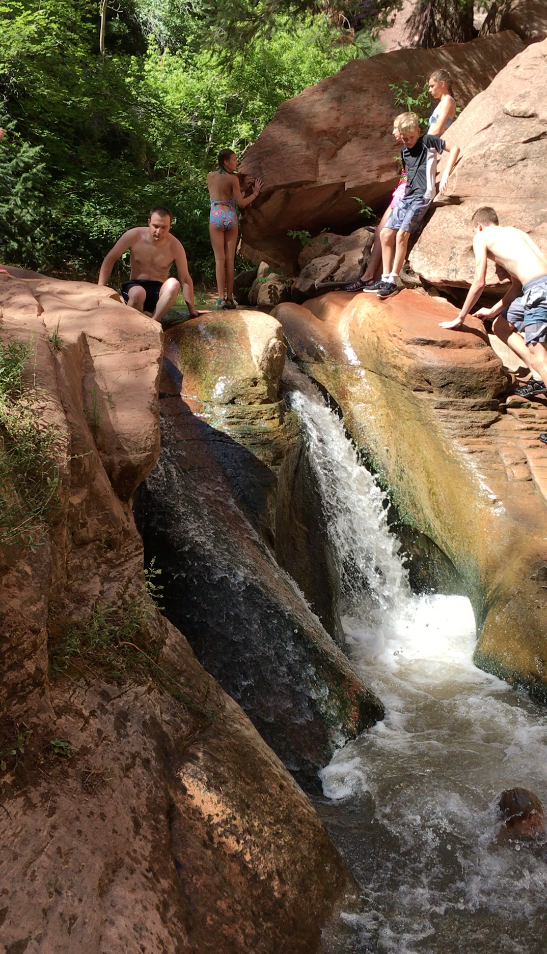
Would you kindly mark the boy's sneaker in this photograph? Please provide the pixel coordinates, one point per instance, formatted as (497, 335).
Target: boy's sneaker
(375, 287)
(387, 289)
(533, 387)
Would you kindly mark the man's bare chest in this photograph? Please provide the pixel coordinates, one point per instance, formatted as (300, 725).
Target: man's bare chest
(145, 253)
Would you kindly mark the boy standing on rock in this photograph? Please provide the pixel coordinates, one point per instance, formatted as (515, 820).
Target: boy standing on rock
(153, 251)
(523, 308)
(419, 155)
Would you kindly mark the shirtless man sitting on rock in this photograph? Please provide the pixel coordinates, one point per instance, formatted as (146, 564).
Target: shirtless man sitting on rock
(523, 308)
(153, 251)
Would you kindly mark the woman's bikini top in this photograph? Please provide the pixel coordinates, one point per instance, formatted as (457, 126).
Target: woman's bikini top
(435, 115)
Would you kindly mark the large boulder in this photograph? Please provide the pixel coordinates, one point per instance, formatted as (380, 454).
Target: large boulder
(338, 138)
(343, 262)
(464, 469)
(141, 810)
(207, 516)
(502, 135)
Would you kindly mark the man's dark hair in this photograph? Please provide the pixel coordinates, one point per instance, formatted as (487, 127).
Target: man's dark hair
(485, 216)
(223, 155)
(518, 804)
(161, 210)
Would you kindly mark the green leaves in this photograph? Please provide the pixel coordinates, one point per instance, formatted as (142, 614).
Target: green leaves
(94, 141)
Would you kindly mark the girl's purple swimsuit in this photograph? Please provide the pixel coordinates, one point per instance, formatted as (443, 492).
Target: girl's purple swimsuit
(223, 218)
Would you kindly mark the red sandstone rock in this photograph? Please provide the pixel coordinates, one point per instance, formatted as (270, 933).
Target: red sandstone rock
(170, 825)
(502, 135)
(333, 141)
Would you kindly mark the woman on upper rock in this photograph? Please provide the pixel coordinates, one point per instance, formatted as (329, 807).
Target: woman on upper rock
(440, 87)
(225, 191)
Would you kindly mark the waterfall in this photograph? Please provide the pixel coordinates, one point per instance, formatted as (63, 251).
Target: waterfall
(356, 509)
(412, 803)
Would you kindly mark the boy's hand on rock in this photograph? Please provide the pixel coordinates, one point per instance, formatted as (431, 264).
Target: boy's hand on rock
(444, 184)
(482, 313)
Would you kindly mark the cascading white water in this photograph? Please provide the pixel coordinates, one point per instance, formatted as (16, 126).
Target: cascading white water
(412, 802)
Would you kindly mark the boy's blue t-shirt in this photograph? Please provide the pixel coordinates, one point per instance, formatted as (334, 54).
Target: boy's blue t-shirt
(420, 163)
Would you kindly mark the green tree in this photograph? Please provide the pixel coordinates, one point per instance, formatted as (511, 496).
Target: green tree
(95, 140)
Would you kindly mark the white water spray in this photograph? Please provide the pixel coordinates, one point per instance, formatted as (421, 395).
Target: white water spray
(412, 802)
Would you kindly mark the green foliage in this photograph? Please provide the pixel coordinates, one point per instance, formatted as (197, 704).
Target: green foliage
(115, 640)
(302, 235)
(29, 478)
(14, 747)
(152, 589)
(55, 340)
(61, 747)
(364, 209)
(13, 360)
(93, 142)
(412, 98)
(105, 639)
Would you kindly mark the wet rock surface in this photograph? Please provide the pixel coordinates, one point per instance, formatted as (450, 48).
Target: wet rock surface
(337, 153)
(427, 406)
(245, 618)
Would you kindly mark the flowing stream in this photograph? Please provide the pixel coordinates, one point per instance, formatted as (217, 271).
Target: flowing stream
(412, 803)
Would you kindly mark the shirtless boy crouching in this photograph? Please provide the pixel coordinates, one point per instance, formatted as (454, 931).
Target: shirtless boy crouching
(153, 250)
(523, 308)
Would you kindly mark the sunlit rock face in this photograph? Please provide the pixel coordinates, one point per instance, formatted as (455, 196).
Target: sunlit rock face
(426, 405)
(97, 389)
(332, 142)
(208, 516)
(134, 807)
(502, 135)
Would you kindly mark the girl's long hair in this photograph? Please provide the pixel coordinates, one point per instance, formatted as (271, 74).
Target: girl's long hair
(443, 76)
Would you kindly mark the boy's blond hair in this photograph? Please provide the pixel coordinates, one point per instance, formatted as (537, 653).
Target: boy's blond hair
(408, 121)
(397, 120)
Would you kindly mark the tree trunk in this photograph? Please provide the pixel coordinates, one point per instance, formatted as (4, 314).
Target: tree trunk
(102, 26)
(435, 22)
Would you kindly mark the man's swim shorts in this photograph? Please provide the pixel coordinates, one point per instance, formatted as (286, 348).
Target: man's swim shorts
(408, 214)
(529, 312)
(151, 288)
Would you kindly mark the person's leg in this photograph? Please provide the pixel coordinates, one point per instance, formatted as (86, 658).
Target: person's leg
(371, 270)
(505, 331)
(388, 238)
(217, 241)
(538, 358)
(401, 246)
(167, 298)
(136, 297)
(230, 245)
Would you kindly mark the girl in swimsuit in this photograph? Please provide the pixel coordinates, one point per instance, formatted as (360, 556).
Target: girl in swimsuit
(225, 191)
(440, 87)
